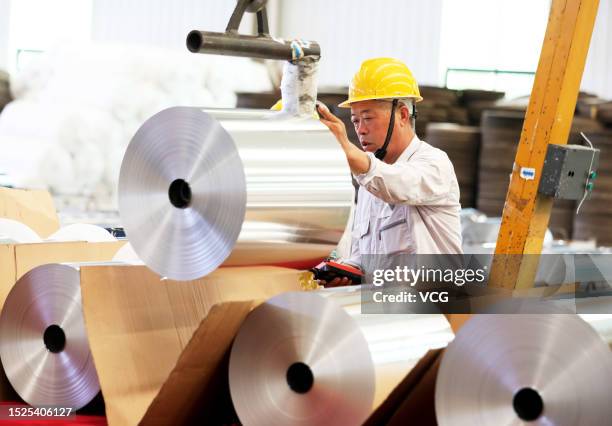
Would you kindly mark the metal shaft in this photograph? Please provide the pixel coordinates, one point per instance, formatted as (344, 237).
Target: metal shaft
(250, 46)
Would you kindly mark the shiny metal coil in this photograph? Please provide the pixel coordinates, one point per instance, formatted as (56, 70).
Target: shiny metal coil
(196, 185)
(43, 342)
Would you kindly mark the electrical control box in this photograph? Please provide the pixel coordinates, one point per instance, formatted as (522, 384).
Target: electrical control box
(569, 171)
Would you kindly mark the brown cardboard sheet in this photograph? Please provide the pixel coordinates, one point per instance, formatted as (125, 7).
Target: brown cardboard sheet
(413, 399)
(32, 207)
(17, 259)
(197, 389)
(28, 256)
(7, 275)
(138, 324)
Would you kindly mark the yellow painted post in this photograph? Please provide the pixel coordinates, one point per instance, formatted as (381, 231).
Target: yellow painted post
(547, 120)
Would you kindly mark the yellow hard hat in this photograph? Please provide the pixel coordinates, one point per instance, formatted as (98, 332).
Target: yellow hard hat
(382, 78)
(277, 106)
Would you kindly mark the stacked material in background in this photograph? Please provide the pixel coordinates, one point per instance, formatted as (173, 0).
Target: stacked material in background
(501, 132)
(477, 101)
(87, 101)
(461, 144)
(591, 106)
(435, 107)
(5, 90)
(594, 219)
(443, 105)
(604, 113)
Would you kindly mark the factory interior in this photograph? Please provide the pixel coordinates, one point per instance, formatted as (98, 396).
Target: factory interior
(306, 212)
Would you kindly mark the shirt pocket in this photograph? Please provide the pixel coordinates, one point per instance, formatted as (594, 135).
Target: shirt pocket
(394, 233)
(363, 237)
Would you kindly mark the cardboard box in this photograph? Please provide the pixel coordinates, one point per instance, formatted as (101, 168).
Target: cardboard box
(32, 207)
(17, 259)
(139, 324)
(412, 401)
(197, 390)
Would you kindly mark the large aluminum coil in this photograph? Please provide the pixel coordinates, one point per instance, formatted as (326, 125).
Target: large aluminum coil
(312, 358)
(196, 185)
(540, 369)
(43, 343)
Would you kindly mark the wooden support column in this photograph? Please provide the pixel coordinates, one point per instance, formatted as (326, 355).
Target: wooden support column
(548, 120)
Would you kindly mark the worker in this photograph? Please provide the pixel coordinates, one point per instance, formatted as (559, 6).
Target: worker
(408, 198)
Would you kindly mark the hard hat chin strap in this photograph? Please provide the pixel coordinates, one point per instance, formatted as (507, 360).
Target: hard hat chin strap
(382, 151)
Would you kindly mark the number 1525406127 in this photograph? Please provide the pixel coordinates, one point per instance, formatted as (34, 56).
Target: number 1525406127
(16, 412)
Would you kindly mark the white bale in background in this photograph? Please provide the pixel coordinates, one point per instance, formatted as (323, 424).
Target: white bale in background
(78, 106)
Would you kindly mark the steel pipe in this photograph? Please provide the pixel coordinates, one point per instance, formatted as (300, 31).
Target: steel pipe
(263, 47)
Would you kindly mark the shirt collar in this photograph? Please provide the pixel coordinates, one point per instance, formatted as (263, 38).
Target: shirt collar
(415, 143)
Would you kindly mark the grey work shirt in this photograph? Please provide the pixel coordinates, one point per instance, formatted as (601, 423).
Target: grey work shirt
(410, 206)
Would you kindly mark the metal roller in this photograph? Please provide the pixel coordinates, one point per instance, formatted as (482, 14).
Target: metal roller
(540, 369)
(43, 343)
(251, 46)
(311, 358)
(195, 182)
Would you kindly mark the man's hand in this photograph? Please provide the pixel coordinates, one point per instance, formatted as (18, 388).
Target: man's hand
(333, 123)
(336, 282)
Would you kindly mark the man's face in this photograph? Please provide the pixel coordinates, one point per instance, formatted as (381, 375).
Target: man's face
(371, 121)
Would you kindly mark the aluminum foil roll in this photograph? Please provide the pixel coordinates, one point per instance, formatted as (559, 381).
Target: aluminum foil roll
(326, 331)
(43, 343)
(182, 193)
(300, 359)
(396, 342)
(196, 185)
(540, 369)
